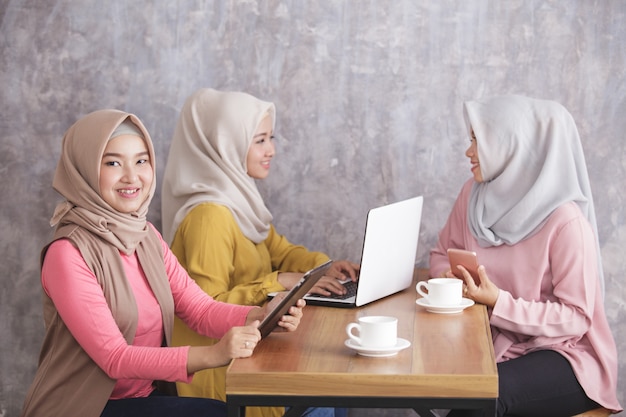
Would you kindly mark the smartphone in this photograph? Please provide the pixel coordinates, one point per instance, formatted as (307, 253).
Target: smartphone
(465, 258)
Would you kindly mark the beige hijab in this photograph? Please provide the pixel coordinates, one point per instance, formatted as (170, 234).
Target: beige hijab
(77, 179)
(207, 161)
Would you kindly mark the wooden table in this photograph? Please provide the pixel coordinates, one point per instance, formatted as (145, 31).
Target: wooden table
(450, 363)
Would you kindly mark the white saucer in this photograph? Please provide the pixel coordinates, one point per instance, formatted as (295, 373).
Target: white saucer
(378, 352)
(465, 302)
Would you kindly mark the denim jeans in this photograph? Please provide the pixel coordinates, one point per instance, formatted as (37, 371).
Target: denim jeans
(325, 412)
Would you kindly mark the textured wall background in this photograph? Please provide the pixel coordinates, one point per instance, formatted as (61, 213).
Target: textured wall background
(369, 98)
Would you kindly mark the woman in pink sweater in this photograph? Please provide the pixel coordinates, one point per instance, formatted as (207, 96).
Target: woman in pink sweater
(112, 288)
(528, 214)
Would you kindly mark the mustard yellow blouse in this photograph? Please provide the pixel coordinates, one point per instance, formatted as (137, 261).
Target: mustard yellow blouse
(231, 268)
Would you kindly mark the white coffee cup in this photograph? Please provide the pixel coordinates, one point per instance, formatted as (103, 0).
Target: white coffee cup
(441, 291)
(374, 331)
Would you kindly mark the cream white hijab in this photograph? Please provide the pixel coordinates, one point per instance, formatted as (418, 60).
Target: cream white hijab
(207, 161)
(532, 162)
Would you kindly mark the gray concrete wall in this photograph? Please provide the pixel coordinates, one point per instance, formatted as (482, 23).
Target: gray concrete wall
(369, 98)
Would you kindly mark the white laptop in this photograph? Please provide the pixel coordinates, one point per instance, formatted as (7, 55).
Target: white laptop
(388, 255)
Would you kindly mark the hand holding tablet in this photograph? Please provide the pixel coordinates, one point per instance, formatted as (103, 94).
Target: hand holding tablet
(299, 290)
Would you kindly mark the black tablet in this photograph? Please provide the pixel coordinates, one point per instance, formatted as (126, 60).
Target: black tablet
(299, 290)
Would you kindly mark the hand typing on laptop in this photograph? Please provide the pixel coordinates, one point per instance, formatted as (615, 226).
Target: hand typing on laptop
(331, 283)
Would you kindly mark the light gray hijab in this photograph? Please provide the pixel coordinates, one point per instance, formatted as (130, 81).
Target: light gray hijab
(532, 162)
(207, 161)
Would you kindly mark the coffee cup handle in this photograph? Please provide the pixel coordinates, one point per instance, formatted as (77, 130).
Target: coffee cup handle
(349, 328)
(420, 287)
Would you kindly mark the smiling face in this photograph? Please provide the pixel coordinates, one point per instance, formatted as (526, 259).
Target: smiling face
(472, 154)
(261, 150)
(126, 173)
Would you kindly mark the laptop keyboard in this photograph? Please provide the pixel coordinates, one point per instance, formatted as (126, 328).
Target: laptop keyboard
(350, 287)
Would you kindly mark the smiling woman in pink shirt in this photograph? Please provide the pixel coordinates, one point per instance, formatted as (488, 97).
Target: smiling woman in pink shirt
(112, 288)
(528, 214)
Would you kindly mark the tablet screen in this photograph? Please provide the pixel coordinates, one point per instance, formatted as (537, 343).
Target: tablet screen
(307, 282)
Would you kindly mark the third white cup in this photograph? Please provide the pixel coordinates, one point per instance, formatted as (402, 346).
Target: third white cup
(441, 291)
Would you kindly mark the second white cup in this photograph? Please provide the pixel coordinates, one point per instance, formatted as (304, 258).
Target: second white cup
(441, 291)
(374, 331)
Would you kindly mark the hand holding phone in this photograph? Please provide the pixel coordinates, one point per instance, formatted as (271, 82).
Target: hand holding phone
(465, 258)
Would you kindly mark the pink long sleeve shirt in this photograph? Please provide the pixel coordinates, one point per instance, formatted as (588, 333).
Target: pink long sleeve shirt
(550, 295)
(80, 302)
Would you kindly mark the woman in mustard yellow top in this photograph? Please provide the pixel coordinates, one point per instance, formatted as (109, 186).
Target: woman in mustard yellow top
(218, 225)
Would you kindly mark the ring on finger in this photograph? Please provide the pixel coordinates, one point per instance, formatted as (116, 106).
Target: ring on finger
(247, 344)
